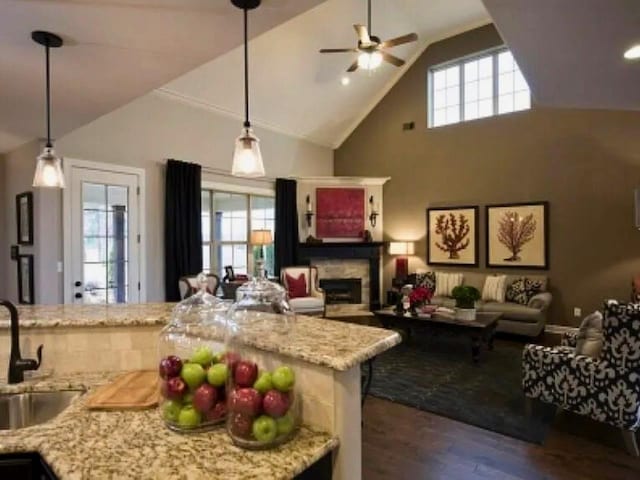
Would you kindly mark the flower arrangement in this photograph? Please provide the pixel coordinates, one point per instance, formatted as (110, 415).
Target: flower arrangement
(420, 296)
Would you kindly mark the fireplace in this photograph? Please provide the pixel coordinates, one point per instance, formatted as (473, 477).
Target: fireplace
(342, 290)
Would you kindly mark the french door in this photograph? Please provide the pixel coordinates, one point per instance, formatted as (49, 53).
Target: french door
(102, 234)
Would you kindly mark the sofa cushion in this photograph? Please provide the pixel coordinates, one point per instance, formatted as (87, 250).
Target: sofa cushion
(307, 304)
(522, 289)
(446, 282)
(513, 311)
(297, 287)
(427, 279)
(494, 288)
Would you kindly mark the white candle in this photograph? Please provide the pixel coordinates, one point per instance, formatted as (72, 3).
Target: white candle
(309, 206)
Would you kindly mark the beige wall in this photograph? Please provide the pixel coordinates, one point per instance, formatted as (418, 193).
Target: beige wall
(4, 256)
(585, 163)
(144, 134)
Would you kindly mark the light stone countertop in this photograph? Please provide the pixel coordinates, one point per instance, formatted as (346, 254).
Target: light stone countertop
(80, 444)
(329, 343)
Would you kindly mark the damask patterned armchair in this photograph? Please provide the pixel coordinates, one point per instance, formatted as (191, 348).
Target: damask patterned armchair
(607, 388)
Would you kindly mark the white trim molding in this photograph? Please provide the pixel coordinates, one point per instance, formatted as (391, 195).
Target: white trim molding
(370, 181)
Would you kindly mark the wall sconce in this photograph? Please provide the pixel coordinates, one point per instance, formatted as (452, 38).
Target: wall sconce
(373, 209)
(309, 213)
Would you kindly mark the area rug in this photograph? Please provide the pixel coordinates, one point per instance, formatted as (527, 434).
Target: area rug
(436, 374)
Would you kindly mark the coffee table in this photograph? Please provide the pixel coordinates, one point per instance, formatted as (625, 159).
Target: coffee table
(480, 331)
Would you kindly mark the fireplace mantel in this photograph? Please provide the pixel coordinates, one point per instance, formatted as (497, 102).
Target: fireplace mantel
(371, 251)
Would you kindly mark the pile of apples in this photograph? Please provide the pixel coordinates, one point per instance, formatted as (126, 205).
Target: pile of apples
(260, 404)
(194, 390)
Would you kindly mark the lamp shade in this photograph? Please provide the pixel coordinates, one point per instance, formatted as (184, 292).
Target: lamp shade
(261, 237)
(48, 170)
(401, 248)
(247, 159)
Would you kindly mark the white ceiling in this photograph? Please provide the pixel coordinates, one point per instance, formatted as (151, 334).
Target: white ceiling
(116, 50)
(296, 90)
(571, 51)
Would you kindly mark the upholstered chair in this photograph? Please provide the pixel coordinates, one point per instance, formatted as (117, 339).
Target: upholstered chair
(313, 303)
(189, 285)
(605, 388)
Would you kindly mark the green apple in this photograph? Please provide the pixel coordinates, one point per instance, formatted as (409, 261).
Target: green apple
(264, 383)
(189, 417)
(217, 358)
(171, 410)
(285, 424)
(283, 378)
(217, 374)
(264, 429)
(203, 356)
(193, 375)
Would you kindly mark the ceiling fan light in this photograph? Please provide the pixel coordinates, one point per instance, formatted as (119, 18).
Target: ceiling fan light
(48, 170)
(247, 158)
(369, 61)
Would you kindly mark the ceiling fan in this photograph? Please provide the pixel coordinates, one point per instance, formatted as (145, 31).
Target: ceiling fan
(372, 51)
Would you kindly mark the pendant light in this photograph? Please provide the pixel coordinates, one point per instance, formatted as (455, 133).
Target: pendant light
(247, 159)
(49, 168)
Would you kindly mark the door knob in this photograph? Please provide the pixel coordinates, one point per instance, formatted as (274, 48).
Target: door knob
(78, 295)
(78, 283)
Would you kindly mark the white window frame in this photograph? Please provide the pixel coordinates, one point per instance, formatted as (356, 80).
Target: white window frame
(460, 61)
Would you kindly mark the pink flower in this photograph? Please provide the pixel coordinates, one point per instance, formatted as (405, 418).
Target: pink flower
(420, 295)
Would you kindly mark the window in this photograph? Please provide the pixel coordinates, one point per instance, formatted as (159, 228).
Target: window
(476, 87)
(227, 220)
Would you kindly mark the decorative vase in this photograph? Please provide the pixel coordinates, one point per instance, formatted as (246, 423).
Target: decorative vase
(465, 314)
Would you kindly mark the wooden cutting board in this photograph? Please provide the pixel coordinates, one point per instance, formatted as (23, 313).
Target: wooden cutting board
(131, 391)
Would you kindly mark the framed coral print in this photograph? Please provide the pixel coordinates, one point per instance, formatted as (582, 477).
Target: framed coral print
(452, 236)
(518, 235)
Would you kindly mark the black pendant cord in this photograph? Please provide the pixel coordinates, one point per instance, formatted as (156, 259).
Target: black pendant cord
(49, 145)
(247, 124)
(369, 16)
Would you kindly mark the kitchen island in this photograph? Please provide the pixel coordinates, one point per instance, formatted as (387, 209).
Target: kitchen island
(325, 354)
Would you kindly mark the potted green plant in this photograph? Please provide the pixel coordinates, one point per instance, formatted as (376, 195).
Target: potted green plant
(466, 297)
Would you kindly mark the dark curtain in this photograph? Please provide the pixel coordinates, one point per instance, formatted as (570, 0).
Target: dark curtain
(286, 234)
(182, 225)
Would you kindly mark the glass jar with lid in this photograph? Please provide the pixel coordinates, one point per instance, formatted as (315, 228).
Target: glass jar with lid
(263, 400)
(192, 368)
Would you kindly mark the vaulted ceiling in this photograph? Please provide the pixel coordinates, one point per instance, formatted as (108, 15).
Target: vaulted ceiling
(115, 51)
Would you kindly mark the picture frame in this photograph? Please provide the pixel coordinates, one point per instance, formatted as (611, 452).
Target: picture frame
(26, 293)
(517, 235)
(453, 236)
(24, 218)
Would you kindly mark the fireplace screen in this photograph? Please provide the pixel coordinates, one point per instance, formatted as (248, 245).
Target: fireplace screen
(342, 290)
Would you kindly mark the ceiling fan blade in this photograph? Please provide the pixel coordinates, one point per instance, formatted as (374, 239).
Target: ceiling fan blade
(353, 67)
(410, 37)
(338, 50)
(392, 59)
(363, 34)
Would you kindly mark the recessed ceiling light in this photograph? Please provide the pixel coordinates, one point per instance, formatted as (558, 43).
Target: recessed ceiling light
(345, 81)
(633, 53)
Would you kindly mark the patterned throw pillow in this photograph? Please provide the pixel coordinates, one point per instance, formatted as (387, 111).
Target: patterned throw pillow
(427, 280)
(522, 289)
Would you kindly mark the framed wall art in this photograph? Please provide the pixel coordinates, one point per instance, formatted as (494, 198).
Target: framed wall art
(518, 235)
(340, 212)
(26, 292)
(24, 218)
(452, 236)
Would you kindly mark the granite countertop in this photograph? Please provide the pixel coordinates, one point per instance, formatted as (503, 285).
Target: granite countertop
(81, 444)
(330, 343)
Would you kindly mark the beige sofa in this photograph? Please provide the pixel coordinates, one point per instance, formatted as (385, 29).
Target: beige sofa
(520, 319)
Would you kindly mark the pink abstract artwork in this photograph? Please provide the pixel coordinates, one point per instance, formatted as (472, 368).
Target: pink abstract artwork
(339, 212)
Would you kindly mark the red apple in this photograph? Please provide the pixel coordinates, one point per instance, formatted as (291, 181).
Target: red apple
(170, 367)
(245, 373)
(231, 359)
(218, 411)
(176, 388)
(247, 401)
(240, 425)
(276, 403)
(204, 397)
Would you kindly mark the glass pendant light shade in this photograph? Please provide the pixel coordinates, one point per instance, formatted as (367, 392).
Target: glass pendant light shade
(48, 170)
(247, 159)
(369, 61)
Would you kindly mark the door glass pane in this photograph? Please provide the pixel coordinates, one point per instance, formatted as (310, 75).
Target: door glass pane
(105, 242)
(206, 216)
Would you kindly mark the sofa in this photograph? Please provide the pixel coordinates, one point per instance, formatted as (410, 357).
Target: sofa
(528, 320)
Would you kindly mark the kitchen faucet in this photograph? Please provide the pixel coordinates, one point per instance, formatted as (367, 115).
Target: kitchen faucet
(17, 364)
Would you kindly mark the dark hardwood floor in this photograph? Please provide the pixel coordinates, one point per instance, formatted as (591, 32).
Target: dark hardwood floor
(402, 443)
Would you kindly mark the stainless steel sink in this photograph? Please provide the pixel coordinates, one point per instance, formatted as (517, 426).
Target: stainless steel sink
(22, 410)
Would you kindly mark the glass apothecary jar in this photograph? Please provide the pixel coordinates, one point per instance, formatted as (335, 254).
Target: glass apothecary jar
(263, 400)
(192, 368)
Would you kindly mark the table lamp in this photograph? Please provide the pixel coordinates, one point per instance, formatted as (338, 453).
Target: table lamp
(402, 250)
(260, 238)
